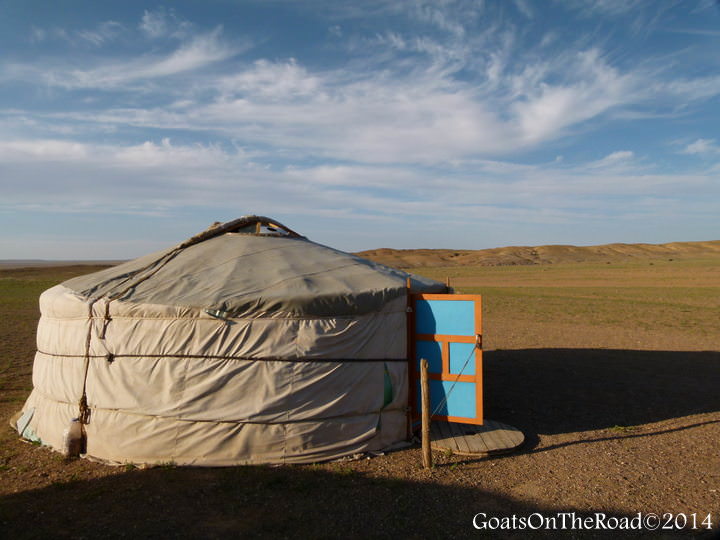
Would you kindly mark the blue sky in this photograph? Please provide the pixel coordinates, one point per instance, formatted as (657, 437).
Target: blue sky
(126, 127)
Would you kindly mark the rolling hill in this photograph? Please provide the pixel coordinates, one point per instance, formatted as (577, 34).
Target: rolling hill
(553, 254)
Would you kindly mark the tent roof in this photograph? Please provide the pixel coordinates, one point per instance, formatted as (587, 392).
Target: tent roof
(253, 266)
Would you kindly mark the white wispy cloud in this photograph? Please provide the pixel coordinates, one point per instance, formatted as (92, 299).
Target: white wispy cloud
(694, 31)
(424, 115)
(594, 88)
(524, 7)
(702, 146)
(398, 109)
(705, 5)
(692, 89)
(427, 111)
(417, 117)
(162, 23)
(37, 34)
(46, 150)
(449, 16)
(167, 175)
(432, 13)
(613, 160)
(102, 34)
(603, 7)
(367, 117)
(200, 51)
(272, 81)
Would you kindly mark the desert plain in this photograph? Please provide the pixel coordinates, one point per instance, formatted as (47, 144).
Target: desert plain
(606, 357)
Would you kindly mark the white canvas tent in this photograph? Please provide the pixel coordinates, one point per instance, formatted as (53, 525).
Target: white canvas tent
(247, 343)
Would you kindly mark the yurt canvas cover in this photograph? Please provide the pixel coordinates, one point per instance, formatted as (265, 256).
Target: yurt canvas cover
(245, 344)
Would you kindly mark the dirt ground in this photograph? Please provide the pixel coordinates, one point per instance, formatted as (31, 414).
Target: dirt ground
(611, 371)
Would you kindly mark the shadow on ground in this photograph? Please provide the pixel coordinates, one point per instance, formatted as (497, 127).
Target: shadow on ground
(258, 502)
(551, 391)
(544, 391)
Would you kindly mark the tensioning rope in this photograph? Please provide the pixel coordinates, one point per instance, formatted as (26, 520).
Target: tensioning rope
(452, 387)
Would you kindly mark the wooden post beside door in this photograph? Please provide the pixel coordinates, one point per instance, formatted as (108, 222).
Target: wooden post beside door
(425, 393)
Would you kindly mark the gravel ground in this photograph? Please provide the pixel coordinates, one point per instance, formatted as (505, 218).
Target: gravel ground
(632, 426)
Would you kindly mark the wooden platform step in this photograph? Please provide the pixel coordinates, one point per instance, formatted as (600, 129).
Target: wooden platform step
(468, 440)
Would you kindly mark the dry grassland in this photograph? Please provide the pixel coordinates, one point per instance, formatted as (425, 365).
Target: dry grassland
(611, 370)
(646, 305)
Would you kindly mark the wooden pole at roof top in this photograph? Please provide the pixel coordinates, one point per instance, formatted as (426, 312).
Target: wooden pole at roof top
(425, 392)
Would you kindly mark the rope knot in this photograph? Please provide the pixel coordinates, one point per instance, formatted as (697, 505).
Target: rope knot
(84, 416)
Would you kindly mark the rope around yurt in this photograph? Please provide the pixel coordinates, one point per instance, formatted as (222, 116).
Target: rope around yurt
(132, 281)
